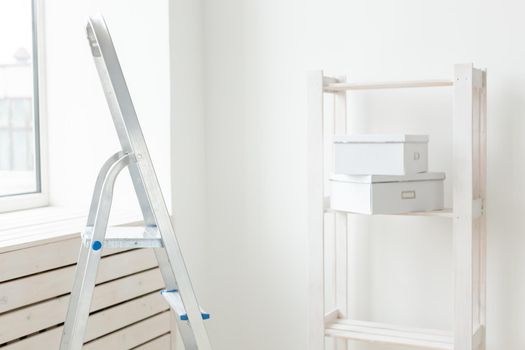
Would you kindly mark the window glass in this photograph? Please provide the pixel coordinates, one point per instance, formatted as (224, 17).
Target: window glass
(19, 149)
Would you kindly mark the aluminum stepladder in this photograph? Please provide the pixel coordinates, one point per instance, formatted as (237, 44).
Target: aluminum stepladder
(157, 233)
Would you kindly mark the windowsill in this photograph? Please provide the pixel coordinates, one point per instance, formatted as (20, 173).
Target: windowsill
(48, 224)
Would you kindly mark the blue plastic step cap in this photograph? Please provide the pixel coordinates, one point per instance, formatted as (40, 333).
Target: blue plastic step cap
(184, 317)
(205, 316)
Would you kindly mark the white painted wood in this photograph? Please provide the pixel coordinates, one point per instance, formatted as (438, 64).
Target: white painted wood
(386, 326)
(476, 210)
(479, 338)
(330, 80)
(34, 289)
(108, 294)
(445, 213)
(462, 199)
(335, 87)
(160, 343)
(315, 211)
(128, 337)
(36, 317)
(332, 316)
(386, 334)
(341, 226)
(42, 257)
(116, 317)
(483, 227)
(22, 291)
(133, 335)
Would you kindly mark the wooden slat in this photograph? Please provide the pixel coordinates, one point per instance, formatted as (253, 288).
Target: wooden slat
(100, 324)
(118, 316)
(444, 213)
(389, 334)
(134, 335)
(341, 227)
(29, 261)
(332, 316)
(336, 87)
(44, 257)
(21, 292)
(161, 343)
(52, 312)
(483, 228)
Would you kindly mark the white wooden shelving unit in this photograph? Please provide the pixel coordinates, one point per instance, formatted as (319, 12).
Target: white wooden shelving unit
(467, 214)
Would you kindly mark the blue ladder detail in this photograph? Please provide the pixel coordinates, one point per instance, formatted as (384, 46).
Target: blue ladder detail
(97, 245)
(175, 301)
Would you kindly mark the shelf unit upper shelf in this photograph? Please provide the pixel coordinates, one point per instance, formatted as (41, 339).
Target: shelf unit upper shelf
(445, 213)
(332, 85)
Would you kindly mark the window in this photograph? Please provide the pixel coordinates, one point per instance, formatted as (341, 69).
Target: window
(20, 119)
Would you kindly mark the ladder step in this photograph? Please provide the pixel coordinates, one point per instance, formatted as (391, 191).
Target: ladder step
(174, 300)
(128, 237)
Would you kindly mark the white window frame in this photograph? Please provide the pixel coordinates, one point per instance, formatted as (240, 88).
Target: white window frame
(37, 199)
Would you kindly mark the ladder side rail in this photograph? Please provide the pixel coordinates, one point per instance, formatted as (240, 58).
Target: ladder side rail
(95, 199)
(131, 137)
(134, 171)
(84, 249)
(112, 95)
(80, 299)
(185, 328)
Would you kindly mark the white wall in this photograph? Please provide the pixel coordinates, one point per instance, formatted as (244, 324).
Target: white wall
(256, 57)
(81, 131)
(188, 146)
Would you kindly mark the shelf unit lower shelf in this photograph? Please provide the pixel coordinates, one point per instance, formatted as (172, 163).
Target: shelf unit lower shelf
(381, 333)
(389, 334)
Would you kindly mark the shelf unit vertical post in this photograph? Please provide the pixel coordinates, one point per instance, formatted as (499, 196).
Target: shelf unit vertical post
(341, 226)
(316, 337)
(483, 220)
(469, 158)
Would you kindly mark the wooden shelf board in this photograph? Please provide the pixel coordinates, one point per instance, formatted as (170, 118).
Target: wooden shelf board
(331, 86)
(390, 334)
(446, 213)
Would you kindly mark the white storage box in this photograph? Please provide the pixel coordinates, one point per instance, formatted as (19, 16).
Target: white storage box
(387, 194)
(381, 154)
